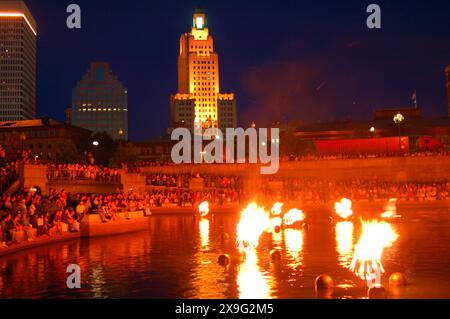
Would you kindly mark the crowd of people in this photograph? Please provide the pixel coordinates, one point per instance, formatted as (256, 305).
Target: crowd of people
(9, 168)
(317, 157)
(324, 191)
(8, 174)
(185, 198)
(292, 189)
(82, 172)
(184, 180)
(29, 214)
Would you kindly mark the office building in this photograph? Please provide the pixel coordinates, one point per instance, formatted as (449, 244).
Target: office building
(18, 34)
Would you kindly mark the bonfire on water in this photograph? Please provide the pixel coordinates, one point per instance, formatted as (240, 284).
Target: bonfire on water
(375, 237)
(344, 208)
(254, 221)
(203, 209)
(293, 216)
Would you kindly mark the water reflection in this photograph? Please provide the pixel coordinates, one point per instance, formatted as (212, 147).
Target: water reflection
(277, 236)
(177, 258)
(252, 284)
(204, 233)
(98, 281)
(208, 278)
(344, 243)
(293, 239)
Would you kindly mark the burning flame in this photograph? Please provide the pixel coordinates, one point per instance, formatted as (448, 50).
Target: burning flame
(376, 236)
(254, 221)
(343, 208)
(390, 210)
(203, 208)
(276, 208)
(293, 216)
(275, 221)
(276, 236)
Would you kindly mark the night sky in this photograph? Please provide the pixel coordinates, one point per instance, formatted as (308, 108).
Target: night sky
(285, 60)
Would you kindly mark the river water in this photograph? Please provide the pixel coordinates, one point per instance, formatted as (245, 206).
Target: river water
(177, 258)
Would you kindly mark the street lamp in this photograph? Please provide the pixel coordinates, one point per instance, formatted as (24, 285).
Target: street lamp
(95, 143)
(372, 131)
(398, 119)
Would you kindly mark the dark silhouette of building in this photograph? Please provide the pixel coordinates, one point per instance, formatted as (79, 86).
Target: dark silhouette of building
(100, 102)
(43, 137)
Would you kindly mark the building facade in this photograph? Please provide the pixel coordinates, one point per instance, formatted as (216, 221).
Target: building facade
(182, 109)
(43, 137)
(199, 101)
(17, 62)
(100, 102)
(226, 111)
(379, 136)
(151, 151)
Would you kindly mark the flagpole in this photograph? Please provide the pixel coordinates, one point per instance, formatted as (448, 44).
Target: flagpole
(415, 99)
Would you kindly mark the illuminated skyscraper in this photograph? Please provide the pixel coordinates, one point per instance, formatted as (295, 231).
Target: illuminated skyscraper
(199, 98)
(100, 102)
(17, 62)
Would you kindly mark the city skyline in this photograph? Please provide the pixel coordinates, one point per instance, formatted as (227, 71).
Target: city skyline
(319, 59)
(224, 150)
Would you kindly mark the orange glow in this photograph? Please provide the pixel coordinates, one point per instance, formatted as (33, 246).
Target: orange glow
(275, 221)
(344, 243)
(390, 210)
(254, 221)
(251, 282)
(18, 14)
(198, 74)
(376, 236)
(293, 239)
(293, 216)
(204, 232)
(276, 208)
(203, 208)
(343, 208)
(276, 236)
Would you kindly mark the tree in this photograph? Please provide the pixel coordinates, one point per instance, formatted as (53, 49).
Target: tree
(67, 152)
(106, 148)
(124, 154)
